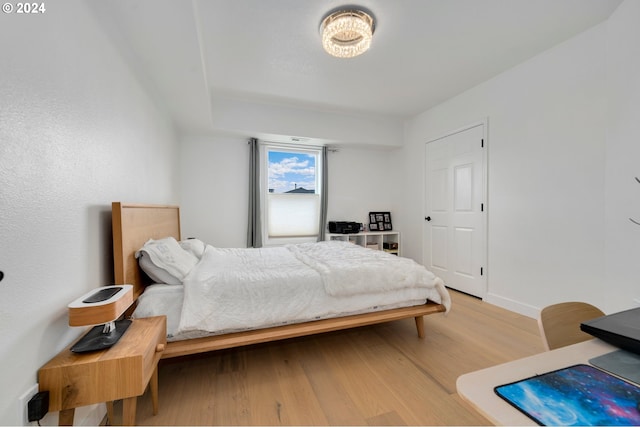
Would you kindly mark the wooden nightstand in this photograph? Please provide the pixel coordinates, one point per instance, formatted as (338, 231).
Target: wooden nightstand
(120, 372)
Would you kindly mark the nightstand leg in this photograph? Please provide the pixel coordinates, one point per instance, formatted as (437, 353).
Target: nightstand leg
(65, 417)
(110, 417)
(129, 411)
(154, 390)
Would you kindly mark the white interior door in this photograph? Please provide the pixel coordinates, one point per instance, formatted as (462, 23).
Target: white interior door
(455, 236)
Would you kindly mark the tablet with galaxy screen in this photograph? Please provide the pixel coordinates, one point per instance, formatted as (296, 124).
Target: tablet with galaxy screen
(576, 395)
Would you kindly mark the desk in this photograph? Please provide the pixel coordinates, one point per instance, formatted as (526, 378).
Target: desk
(120, 372)
(477, 387)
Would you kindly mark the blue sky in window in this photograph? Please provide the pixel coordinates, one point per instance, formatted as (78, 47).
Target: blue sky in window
(288, 171)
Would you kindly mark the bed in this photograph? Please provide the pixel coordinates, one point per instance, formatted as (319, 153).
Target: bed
(135, 224)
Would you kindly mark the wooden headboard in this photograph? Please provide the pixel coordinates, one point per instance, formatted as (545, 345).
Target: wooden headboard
(133, 225)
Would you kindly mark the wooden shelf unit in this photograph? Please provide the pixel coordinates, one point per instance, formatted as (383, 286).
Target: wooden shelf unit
(372, 239)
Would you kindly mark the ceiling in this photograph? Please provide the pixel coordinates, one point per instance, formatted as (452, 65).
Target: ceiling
(190, 53)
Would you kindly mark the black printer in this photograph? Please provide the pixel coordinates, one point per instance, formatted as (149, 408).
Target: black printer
(344, 227)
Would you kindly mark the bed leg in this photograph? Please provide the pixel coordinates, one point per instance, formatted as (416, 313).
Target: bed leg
(420, 326)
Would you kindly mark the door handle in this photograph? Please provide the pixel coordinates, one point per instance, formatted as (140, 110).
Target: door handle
(427, 218)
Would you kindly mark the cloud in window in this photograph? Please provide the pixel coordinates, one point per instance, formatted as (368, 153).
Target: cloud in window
(288, 171)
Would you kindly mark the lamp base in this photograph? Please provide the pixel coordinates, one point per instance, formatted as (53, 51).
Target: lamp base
(96, 339)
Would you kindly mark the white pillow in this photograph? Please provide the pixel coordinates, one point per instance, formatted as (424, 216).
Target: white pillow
(194, 246)
(157, 274)
(168, 255)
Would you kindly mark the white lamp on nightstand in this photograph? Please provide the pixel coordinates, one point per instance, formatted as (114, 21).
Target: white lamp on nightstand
(101, 307)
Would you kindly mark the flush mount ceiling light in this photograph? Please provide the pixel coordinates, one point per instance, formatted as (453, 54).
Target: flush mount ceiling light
(347, 33)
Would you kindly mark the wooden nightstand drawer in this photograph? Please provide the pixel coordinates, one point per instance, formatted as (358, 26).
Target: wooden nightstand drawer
(120, 372)
(136, 356)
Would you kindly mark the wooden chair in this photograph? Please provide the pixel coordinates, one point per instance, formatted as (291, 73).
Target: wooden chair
(560, 323)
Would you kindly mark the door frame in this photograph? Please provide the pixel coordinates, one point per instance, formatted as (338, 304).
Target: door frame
(485, 194)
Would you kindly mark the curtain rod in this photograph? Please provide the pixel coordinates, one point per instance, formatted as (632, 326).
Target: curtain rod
(293, 145)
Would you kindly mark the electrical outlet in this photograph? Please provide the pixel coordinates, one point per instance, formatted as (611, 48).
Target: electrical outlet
(22, 404)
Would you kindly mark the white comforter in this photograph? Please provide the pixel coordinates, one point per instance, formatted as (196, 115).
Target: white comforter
(348, 269)
(235, 289)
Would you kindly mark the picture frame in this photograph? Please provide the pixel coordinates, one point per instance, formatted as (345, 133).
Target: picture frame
(380, 221)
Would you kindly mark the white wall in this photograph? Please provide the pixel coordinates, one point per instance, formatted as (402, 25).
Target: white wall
(546, 142)
(269, 120)
(622, 253)
(214, 186)
(214, 182)
(76, 133)
(363, 180)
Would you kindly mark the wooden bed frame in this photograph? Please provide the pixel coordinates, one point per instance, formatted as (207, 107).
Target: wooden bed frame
(134, 224)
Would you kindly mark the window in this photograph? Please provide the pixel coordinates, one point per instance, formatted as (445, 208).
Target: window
(291, 186)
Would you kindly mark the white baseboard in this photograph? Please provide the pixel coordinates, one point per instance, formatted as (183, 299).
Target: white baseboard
(512, 305)
(91, 415)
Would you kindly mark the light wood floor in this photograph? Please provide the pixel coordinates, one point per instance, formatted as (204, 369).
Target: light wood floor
(377, 375)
